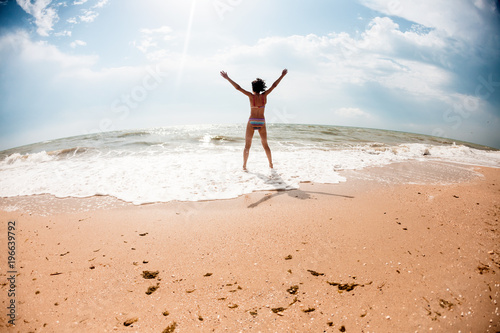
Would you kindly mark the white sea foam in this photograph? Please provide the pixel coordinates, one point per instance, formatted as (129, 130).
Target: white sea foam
(204, 165)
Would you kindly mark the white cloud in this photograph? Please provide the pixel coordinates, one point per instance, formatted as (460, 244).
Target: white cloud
(88, 16)
(461, 19)
(21, 46)
(101, 4)
(352, 113)
(45, 16)
(162, 31)
(382, 54)
(385, 36)
(63, 33)
(77, 43)
(152, 42)
(145, 44)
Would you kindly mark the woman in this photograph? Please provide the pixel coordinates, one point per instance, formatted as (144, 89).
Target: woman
(258, 100)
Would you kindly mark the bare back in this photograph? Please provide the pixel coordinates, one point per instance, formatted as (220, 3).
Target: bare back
(257, 105)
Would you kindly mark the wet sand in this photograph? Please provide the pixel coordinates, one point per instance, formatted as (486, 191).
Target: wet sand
(368, 255)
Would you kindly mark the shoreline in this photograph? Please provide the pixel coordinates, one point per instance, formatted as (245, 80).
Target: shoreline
(368, 254)
(405, 172)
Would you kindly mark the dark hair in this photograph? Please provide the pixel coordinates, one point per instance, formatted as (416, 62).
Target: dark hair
(259, 85)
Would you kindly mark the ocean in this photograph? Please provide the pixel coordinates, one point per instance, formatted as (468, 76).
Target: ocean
(204, 162)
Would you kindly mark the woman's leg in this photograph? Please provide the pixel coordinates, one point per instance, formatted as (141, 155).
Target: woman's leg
(263, 139)
(248, 143)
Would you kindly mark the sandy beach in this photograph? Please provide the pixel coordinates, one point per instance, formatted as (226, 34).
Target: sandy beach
(361, 256)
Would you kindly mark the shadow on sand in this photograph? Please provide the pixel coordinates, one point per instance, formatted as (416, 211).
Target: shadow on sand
(280, 186)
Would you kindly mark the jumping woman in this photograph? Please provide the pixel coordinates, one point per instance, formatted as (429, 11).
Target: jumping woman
(258, 100)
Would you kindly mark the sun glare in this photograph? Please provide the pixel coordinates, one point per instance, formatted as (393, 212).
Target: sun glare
(186, 42)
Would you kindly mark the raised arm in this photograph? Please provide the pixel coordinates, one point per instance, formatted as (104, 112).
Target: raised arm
(235, 85)
(275, 84)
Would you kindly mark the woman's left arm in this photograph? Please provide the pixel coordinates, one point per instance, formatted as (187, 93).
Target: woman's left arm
(235, 85)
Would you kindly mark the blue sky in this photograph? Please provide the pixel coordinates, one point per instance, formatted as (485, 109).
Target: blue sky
(74, 67)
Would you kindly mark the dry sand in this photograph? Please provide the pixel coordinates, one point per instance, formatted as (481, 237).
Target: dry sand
(361, 256)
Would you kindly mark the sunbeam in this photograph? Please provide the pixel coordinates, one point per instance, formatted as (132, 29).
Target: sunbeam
(186, 45)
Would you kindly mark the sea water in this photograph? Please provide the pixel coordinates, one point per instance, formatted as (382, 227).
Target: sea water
(204, 162)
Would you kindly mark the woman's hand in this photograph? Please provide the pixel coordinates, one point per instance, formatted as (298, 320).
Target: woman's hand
(224, 75)
(284, 72)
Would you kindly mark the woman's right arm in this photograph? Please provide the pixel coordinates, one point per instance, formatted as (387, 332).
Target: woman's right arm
(275, 84)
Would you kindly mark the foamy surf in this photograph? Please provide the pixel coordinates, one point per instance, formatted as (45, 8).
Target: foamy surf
(193, 163)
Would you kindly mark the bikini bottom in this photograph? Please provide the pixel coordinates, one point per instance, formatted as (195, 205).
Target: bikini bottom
(257, 123)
